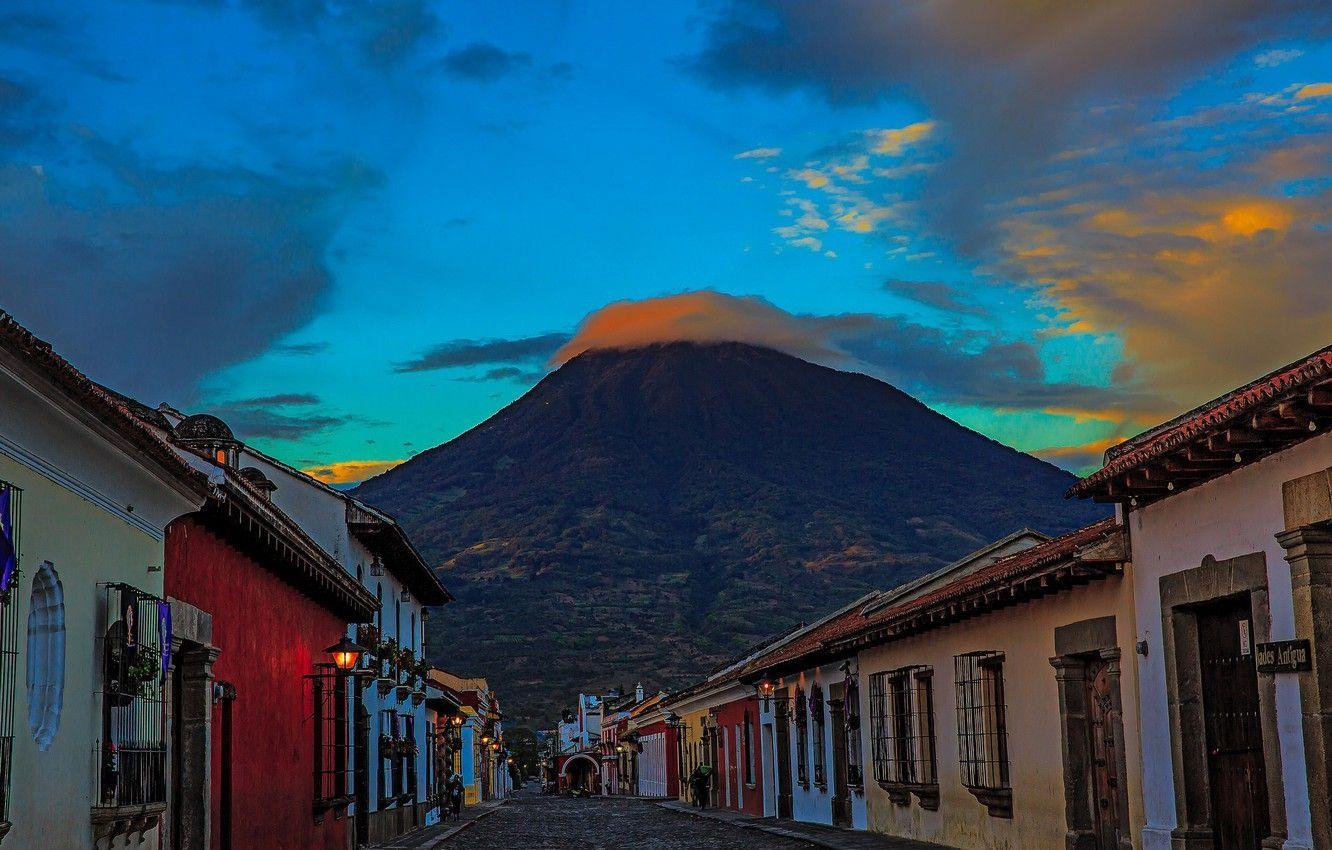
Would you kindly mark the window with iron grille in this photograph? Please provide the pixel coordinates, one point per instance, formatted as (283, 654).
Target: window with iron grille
(902, 731)
(11, 499)
(982, 732)
(816, 718)
(855, 760)
(331, 749)
(390, 759)
(802, 737)
(130, 751)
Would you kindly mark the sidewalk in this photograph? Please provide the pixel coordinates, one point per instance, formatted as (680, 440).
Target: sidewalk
(830, 837)
(430, 837)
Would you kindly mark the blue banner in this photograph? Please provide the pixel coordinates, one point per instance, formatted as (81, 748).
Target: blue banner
(8, 555)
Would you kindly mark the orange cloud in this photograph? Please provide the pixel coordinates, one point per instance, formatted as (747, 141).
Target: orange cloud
(896, 142)
(349, 471)
(702, 316)
(1314, 90)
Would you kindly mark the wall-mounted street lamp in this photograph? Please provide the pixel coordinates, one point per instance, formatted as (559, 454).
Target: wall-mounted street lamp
(377, 566)
(346, 653)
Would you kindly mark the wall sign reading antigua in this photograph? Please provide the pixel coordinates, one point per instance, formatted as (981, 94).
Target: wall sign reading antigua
(1283, 656)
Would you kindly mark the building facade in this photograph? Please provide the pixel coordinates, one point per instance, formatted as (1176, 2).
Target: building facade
(1228, 509)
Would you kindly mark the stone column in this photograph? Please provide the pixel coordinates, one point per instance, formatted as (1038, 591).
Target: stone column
(1070, 674)
(1309, 553)
(195, 721)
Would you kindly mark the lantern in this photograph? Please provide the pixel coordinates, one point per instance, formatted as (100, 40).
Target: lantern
(346, 653)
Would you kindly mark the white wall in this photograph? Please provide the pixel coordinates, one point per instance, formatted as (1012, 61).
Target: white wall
(814, 805)
(1237, 514)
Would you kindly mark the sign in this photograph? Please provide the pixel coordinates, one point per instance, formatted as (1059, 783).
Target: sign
(1284, 656)
(1244, 637)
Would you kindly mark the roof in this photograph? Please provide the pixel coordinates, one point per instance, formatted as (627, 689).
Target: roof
(1075, 558)
(107, 409)
(1265, 416)
(381, 534)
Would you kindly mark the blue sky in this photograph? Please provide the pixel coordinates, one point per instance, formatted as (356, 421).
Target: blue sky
(356, 229)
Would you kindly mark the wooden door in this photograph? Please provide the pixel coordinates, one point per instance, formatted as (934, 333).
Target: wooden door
(1237, 775)
(841, 798)
(1103, 747)
(784, 791)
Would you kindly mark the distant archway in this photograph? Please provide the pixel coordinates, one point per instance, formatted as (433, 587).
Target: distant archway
(581, 771)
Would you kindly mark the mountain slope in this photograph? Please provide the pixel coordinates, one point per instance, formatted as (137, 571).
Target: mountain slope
(650, 513)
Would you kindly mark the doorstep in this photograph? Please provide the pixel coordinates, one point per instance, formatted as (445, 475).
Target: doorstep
(430, 837)
(834, 838)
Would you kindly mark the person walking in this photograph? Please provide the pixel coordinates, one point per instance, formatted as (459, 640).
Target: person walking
(454, 789)
(700, 782)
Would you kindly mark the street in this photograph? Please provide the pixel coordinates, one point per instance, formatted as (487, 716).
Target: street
(530, 822)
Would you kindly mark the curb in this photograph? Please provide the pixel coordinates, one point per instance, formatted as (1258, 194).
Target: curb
(463, 827)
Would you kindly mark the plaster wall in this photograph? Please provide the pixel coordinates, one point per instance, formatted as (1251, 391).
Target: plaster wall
(76, 491)
(1237, 514)
(1025, 633)
(814, 804)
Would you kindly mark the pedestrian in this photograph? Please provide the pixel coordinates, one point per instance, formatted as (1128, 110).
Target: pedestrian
(700, 782)
(454, 789)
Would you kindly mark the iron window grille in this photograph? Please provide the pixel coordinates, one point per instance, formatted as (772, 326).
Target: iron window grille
(982, 731)
(331, 747)
(816, 721)
(407, 754)
(902, 734)
(855, 759)
(130, 752)
(11, 512)
(802, 737)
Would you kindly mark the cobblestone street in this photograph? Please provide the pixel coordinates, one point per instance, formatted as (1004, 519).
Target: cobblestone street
(566, 823)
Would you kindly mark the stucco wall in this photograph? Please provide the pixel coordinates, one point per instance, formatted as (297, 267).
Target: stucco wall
(735, 793)
(1237, 514)
(814, 804)
(270, 636)
(1025, 633)
(88, 536)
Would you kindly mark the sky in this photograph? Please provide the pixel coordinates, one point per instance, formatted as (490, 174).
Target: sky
(356, 229)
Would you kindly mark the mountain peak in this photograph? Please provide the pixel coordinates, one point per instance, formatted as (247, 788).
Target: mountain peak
(705, 493)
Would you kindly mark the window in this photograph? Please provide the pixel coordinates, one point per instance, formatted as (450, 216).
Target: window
(802, 738)
(855, 761)
(388, 748)
(982, 733)
(816, 721)
(412, 637)
(330, 741)
(408, 755)
(749, 749)
(46, 656)
(130, 752)
(902, 734)
(10, 516)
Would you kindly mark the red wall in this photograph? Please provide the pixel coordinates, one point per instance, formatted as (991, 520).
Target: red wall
(270, 636)
(672, 762)
(729, 716)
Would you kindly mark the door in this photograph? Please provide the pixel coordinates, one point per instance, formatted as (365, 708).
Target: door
(783, 758)
(1104, 750)
(841, 800)
(1237, 775)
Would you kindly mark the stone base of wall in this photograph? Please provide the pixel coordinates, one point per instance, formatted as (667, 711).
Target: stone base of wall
(390, 823)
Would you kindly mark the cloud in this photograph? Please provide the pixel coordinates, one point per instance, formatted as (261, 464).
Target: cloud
(1079, 459)
(759, 153)
(473, 352)
(899, 141)
(1006, 80)
(505, 373)
(256, 419)
(349, 471)
(300, 349)
(483, 62)
(164, 274)
(947, 297)
(959, 367)
(281, 400)
(1314, 90)
(1275, 57)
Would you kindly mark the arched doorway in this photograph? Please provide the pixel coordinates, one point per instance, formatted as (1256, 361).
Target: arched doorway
(581, 771)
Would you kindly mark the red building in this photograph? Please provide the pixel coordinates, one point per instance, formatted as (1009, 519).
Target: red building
(739, 783)
(256, 604)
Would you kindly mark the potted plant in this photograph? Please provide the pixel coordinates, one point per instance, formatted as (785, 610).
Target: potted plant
(388, 652)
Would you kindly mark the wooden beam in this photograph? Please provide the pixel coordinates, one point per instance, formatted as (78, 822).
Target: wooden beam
(1320, 395)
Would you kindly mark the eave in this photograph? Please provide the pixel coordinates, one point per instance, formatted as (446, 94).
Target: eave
(386, 538)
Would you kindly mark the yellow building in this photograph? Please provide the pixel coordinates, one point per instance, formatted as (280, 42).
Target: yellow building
(999, 708)
(87, 495)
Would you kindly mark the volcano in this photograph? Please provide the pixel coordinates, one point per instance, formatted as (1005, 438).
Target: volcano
(647, 514)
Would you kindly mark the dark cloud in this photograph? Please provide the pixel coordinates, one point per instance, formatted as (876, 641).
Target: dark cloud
(505, 373)
(560, 70)
(1004, 78)
(280, 400)
(162, 276)
(941, 296)
(458, 221)
(252, 422)
(300, 349)
(484, 62)
(393, 30)
(472, 352)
